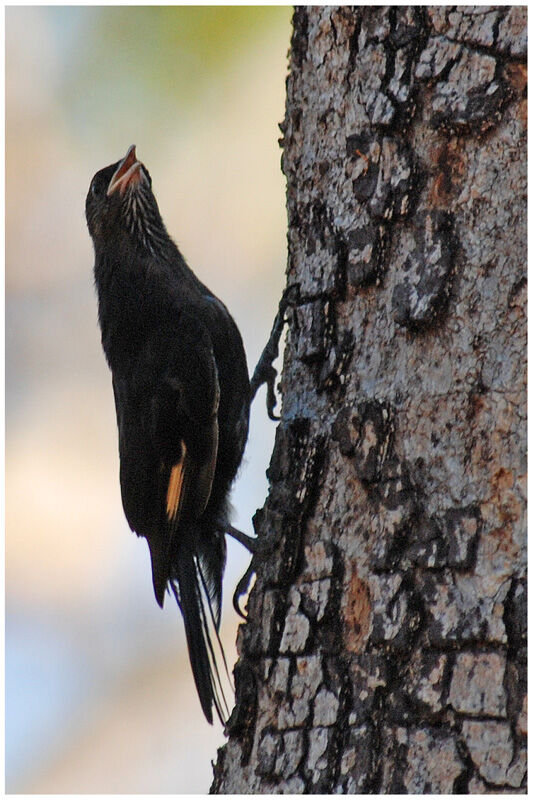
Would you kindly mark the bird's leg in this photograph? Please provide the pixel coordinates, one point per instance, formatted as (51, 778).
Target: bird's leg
(250, 542)
(265, 372)
(247, 541)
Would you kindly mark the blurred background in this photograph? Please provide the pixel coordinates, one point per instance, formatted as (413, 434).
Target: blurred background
(99, 695)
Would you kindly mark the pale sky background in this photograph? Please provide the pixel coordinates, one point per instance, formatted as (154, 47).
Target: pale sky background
(99, 696)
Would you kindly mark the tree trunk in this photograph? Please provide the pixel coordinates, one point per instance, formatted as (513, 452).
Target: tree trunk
(385, 644)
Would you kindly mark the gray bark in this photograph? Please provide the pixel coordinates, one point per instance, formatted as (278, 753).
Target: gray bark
(385, 645)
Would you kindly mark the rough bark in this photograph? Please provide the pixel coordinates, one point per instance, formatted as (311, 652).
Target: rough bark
(385, 645)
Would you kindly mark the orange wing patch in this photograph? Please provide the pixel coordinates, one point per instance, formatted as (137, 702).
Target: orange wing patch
(175, 486)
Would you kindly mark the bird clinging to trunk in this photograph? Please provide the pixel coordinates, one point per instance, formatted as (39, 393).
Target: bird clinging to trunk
(182, 398)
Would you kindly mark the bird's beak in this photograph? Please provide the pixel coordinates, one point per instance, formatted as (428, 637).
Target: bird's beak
(128, 173)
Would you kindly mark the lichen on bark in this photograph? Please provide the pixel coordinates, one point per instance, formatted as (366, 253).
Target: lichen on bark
(385, 646)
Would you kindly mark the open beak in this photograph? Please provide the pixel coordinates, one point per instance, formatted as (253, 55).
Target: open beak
(128, 173)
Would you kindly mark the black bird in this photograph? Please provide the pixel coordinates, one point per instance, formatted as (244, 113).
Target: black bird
(182, 398)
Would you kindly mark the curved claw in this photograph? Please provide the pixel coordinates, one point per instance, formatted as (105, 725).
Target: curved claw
(272, 400)
(240, 589)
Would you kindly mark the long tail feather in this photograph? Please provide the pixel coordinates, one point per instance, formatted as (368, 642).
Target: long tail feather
(219, 698)
(216, 624)
(192, 596)
(211, 553)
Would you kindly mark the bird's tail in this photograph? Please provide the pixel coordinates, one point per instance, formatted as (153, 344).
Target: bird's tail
(197, 589)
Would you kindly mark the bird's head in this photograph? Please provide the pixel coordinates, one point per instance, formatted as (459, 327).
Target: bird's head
(120, 203)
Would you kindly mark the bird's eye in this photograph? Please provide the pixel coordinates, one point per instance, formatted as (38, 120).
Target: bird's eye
(94, 189)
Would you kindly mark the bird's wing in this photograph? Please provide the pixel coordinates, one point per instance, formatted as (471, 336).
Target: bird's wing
(186, 426)
(191, 475)
(167, 408)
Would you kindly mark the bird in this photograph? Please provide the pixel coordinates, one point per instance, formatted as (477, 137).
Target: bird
(182, 400)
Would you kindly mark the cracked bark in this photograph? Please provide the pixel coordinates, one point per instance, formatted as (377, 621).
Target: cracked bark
(385, 645)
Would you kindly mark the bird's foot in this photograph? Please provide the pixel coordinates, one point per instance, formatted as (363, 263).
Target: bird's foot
(242, 589)
(250, 543)
(265, 372)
